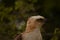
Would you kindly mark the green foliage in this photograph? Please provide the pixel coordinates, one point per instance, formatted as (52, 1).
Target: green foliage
(56, 34)
(8, 3)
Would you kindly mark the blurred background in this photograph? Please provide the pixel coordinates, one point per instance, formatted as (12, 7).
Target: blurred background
(14, 14)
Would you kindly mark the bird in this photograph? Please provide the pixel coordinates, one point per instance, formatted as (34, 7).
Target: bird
(32, 30)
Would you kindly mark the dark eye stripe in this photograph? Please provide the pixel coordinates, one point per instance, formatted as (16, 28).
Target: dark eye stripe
(40, 20)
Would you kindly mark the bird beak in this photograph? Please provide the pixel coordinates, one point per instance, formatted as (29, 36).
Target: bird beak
(45, 20)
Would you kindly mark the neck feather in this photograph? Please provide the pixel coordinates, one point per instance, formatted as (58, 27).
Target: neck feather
(29, 29)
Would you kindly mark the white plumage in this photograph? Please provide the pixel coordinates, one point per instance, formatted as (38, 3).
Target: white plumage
(32, 31)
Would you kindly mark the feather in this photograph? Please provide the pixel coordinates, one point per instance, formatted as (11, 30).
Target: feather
(18, 37)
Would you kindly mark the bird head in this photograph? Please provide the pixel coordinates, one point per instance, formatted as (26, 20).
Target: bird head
(35, 21)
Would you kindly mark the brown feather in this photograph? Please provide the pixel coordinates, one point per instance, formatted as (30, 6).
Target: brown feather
(18, 37)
